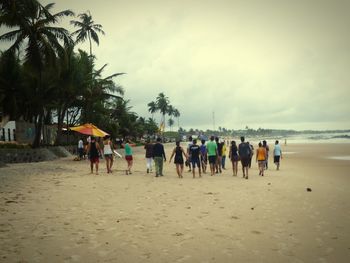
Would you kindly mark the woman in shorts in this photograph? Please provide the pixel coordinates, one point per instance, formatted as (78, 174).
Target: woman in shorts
(108, 153)
(261, 156)
(94, 152)
(233, 155)
(128, 156)
(178, 160)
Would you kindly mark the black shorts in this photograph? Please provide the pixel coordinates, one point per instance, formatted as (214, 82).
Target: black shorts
(179, 160)
(212, 159)
(195, 161)
(245, 161)
(276, 159)
(235, 158)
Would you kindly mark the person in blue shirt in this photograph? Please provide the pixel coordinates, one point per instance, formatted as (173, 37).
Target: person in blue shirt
(203, 156)
(277, 155)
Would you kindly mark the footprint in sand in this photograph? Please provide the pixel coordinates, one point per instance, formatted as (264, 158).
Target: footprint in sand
(183, 258)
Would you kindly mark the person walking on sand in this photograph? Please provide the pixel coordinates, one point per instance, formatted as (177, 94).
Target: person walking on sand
(251, 154)
(158, 157)
(261, 155)
(203, 156)
(277, 155)
(149, 154)
(223, 158)
(233, 155)
(128, 156)
(244, 154)
(108, 153)
(178, 160)
(188, 153)
(219, 156)
(267, 153)
(195, 151)
(94, 152)
(212, 150)
(81, 148)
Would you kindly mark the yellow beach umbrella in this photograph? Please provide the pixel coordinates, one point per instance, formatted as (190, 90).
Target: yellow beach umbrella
(89, 129)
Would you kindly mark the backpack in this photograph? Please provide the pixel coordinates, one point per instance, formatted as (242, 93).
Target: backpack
(244, 150)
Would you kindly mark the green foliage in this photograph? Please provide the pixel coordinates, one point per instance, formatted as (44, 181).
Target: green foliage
(162, 104)
(44, 80)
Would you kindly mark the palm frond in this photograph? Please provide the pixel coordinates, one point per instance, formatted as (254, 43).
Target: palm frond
(94, 36)
(10, 36)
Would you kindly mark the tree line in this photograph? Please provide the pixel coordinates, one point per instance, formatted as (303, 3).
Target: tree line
(45, 80)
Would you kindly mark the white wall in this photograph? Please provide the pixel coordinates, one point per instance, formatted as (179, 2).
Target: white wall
(10, 125)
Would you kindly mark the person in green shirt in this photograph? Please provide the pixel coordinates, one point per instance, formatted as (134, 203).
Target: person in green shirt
(128, 156)
(212, 150)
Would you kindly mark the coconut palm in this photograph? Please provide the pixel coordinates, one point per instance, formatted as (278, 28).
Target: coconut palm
(170, 123)
(87, 30)
(34, 29)
(162, 103)
(176, 114)
(98, 94)
(152, 108)
(11, 85)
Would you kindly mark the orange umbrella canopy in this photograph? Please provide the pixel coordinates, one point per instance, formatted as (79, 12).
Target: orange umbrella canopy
(89, 129)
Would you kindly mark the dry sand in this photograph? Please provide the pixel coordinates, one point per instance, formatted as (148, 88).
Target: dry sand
(58, 212)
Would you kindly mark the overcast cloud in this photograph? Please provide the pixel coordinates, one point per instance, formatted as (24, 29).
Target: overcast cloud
(270, 64)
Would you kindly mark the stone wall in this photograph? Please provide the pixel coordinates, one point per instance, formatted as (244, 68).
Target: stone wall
(32, 155)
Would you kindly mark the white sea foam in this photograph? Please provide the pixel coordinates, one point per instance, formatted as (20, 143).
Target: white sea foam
(343, 158)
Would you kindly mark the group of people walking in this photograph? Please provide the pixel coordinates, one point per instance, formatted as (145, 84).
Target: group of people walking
(195, 156)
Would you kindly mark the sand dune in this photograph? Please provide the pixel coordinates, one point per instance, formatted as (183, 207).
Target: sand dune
(58, 212)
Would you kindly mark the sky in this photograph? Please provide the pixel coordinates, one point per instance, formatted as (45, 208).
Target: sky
(270, 64)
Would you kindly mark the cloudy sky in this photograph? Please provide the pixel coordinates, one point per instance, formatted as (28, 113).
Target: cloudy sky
(269, 64)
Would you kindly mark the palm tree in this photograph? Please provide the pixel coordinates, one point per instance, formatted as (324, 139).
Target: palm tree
(170, 123)
(162, 103)
(176, 114)
(34, 29)
(97, 95)
(152, 108)
(87, 29)
(11, 85)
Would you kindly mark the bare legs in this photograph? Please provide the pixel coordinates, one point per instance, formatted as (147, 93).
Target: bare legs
(245, 171)
(235, 168)
(199, 170)
(204, 166)
(92, 167)
(109, 163)
(179, 169)
(218, 164)
(129, 163)
(261, 168)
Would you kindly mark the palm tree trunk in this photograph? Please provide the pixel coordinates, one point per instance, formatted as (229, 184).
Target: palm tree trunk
(61, 114)
(90, 45)
(38, 121)
(38, 128)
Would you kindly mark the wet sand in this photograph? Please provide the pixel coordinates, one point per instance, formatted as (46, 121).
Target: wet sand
(58, 212)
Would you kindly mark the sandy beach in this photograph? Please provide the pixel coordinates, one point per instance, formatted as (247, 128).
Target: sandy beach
(58, 212)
